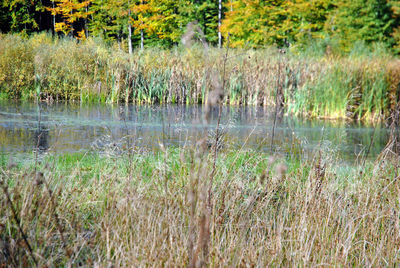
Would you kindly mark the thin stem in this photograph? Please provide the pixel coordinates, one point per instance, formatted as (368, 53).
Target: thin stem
(217, 130)
(369, 147)
(276, 102)
(17, 220)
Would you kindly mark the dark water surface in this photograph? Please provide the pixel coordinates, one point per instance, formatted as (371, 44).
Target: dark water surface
(72, 128)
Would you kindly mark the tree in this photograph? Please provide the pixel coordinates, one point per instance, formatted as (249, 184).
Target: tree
(5, 19)
(396, 32)
(167, 20)
(305, 20)
(206, 13)
(102, 21)
(21, 13)
(219, 23)
(366, 20)
(71, 11)
(254, 23)
(142, 12)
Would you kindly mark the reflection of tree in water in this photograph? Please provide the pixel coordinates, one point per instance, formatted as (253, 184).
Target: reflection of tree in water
(368, 141)
(41, 138)
(41, 133)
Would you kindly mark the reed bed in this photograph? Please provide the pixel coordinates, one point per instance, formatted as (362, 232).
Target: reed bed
(357, 86)
(150, 209)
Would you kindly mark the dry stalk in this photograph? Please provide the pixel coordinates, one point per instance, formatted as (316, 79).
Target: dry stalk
(16, 217)
(369, 148)
(278, 100)
(39, 177)
(217, 136)
(199, 257)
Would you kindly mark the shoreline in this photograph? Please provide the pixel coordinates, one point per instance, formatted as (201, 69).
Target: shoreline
(360, 88)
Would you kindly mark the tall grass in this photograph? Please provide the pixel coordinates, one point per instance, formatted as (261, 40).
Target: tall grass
(324, 84)
(353, 88)
(86, 209)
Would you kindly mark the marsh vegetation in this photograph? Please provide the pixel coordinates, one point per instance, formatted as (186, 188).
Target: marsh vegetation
(317, 83)
(153, 209)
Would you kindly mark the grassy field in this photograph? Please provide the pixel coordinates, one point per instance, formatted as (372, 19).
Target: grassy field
(318, 82)
(197, 206)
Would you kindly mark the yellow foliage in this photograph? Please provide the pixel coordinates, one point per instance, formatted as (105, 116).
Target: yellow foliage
(62, 27)
(71, 11)
(81, 35)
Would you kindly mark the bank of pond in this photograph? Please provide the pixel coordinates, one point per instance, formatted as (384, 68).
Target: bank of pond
(354, 86)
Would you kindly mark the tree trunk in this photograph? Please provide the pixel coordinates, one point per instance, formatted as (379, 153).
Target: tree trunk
(141, 33)
(129, 34)
(40, 18)
(129, 29)
(72, 27)
(54, 19)
(219, 23)
(141, 40)
(86, 27)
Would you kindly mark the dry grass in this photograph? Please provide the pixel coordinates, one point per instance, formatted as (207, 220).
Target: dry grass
(264, 212)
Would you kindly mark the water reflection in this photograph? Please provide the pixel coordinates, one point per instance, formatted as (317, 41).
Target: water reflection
(41, 137)
(74, 127)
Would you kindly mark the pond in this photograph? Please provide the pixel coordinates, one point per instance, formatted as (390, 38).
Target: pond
(64, 127)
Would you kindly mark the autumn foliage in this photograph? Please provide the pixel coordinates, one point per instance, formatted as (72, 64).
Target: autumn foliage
(250, 23)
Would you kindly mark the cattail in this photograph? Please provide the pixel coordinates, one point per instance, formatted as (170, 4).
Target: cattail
(39, 178)
(182, 157)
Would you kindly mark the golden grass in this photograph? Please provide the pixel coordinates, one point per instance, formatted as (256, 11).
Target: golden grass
(262, 212)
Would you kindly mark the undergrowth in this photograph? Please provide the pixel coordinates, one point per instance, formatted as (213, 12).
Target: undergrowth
(147, 209)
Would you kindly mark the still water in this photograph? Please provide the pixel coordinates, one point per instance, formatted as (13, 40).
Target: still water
(60, 128)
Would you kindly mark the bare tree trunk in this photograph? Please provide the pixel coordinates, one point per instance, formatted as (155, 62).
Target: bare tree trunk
(86, 20)
(72, 26)
(141, 40)
(54, 18)
(40, 17)
(129, 29)
(219, 23)
(141, 33)
(130, 35)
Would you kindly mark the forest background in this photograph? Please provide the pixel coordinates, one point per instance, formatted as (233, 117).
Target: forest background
(251, 23)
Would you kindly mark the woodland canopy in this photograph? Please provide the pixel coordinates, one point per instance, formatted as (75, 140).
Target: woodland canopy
(250, 23)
